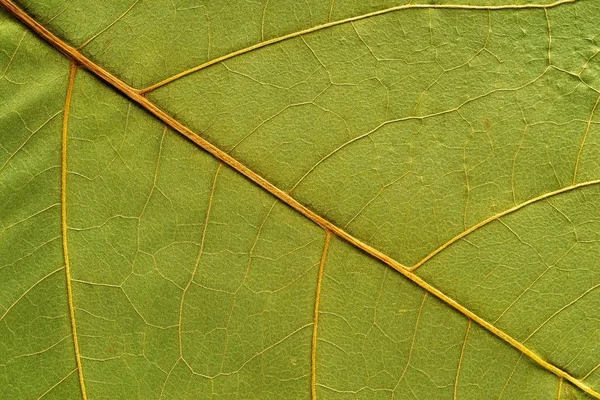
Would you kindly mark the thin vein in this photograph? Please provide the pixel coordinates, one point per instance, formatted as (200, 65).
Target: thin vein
(404, 119)
(200, 252)
(313, 353)
(583, 140)
(138, 98)
(264, 350)
(63, 192)
(560, 381)
(549, 36)
(262, 21)
(32, 133)
(27, 291)
(561, 310)
(38, 352)
(108, 26)
(28, 218)
(12, 57)
(412, 343)
(332, 4)
(508, 379)
(591, 371)
(536, 280)
(56, 384)
(499, 215)
(243, 282)
(345, 21)
(460, 360)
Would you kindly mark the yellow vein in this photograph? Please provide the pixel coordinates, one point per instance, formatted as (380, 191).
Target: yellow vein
(135, 96)
(262, 21)
(462, 353)
(313, 353)
(509, 378)
(499, 215)
(42, 279)
(560, 381)
(32, 133)
(591, 371)
(536, 280)
(12, 57)
(582, 295)
(345, 21)
(56, 384)
(63, 193)
(192, 136)
(330, 10)
(585, 135)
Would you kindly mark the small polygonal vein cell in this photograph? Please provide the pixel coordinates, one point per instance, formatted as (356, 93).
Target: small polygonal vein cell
(454, 143)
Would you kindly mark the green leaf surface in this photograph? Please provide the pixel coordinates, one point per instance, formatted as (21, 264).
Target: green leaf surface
(300, 200)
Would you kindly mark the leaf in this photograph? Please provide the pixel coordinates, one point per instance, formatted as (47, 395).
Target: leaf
(299, 200)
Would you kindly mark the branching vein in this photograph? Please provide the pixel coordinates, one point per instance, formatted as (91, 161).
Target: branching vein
(285, 197)
(346, 21)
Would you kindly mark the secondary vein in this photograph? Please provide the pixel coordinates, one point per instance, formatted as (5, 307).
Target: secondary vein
(313, 353)
(345, 21)
(63, 191)
(502, 214)
(285, 197)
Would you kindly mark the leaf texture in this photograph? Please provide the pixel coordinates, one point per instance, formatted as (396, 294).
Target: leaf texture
(333, 200)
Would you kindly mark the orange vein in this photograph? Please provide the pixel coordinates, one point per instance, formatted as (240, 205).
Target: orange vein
(313, 353)
(499, 215)
(224, 157)
(345, 21)
(63, 193)
(135, 96)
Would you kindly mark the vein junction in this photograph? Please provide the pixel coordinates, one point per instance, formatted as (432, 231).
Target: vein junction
(345, 21)
(331, 228)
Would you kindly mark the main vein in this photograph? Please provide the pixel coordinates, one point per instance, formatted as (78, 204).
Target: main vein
(63, 192)
(285, 197)
(345, 21)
